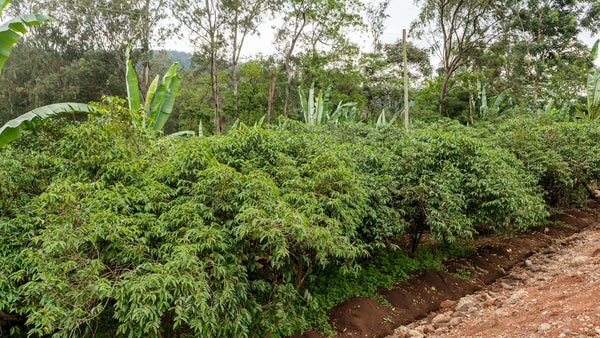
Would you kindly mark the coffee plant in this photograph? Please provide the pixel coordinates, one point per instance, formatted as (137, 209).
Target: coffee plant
(108, 229)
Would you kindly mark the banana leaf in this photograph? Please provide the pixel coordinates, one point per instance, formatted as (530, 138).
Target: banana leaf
(501, 98)
(11, 31)
(304, 106)
(12, 129)
(151, 93)
(593, 94)
(260, 122)
(164, 99)
(185, 133)
(133, 90)
(381, 121)
(319, 109)
(593, 87)
(4, 4)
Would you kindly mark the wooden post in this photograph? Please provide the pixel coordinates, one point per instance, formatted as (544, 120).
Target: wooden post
(405, 80)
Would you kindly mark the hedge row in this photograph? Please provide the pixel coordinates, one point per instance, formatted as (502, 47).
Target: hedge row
(105, 227)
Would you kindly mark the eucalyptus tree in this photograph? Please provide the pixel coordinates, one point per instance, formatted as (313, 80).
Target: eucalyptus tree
(205, 21)
(314, 24)
(454, 28)
(376, 16)
(245, 16)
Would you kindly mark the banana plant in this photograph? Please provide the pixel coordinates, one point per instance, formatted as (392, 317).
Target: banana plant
(593, 88)
(345, 112)
(315, 109)
(10, 32)
(160, 98)
(499, 105)
(12, 129)
(383, 122)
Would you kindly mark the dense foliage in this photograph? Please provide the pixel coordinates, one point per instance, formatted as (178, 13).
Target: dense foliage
(109, 228)
(106, 227)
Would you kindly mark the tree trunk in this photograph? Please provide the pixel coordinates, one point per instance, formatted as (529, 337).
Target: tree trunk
(444, 92)
(288, 71)
(271, 98)
(236, 104)
(215, 90)
(471, 107)
(234, 65)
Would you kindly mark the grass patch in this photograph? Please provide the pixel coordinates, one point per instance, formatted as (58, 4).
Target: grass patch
(328, 287)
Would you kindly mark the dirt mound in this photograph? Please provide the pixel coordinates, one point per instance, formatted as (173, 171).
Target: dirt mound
(416, 297)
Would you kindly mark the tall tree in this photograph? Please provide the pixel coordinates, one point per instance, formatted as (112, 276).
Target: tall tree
(454, 28)
(314, 23)
(545, 44)
(205, 21)
(376, 16)
(245, 16)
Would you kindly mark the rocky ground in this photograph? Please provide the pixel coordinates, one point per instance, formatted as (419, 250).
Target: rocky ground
(554, 293)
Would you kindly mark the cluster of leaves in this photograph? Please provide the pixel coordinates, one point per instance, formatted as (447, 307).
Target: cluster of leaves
(561, 157)
(232, 235)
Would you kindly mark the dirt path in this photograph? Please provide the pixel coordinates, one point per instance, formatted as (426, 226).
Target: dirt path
(554, 293)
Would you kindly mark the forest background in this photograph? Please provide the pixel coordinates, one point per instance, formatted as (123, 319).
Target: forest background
(480, 49)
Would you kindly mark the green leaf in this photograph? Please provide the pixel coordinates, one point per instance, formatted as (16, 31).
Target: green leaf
(133, 90)
(594, 53)
(151, 93)
(4, 4)
(501, 98)
(319, 108)
(304, 105)
(164, 98)
(184, 133)
(260, 122)
(12, 129)
(11, 31)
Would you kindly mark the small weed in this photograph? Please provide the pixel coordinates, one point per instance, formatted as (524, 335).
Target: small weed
(417, 301)
(379, 298)
(464, 274)
(389, 319)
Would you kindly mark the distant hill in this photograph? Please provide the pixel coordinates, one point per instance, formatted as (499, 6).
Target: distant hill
(184, 58)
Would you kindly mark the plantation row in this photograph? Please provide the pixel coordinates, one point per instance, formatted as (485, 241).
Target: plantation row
(106, 227)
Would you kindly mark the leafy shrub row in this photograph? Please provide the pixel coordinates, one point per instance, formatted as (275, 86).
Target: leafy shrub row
(102, 222)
